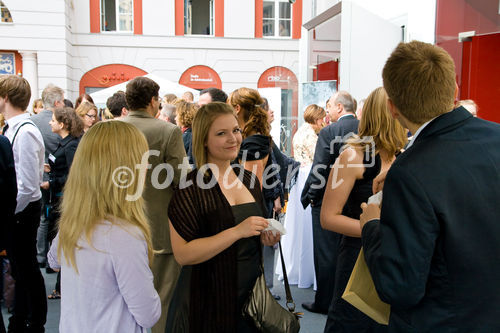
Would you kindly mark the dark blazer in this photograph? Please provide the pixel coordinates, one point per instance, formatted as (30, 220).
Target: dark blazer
(8, 188)
(60, 162)
(324, 156)
(187, 139)
(435, 253)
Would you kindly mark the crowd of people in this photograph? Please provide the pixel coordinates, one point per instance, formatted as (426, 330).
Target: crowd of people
(154, 211)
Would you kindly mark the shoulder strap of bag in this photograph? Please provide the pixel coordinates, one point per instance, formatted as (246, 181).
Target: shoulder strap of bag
(290, 304)
(19, 127)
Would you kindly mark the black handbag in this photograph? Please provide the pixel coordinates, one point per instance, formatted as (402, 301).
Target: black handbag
(266, 313)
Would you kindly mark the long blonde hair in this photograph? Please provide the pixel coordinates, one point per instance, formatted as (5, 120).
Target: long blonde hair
(377, 123)
(93, 193)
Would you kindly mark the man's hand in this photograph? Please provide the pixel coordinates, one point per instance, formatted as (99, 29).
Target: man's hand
(45, 185)
(370, 212)
(277, 205)
(378, 182)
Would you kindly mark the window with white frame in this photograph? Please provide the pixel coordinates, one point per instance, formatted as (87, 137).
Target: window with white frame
(198, 17)
(117, 15)
(277, 18)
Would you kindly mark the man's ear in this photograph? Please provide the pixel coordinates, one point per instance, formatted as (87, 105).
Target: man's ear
(124, 111)
(456, 91)
(393, 110)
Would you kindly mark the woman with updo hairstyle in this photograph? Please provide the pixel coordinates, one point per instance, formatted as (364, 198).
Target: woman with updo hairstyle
(304, 140)
(65, 123)
(184, 119)
(256, 144)
(88, 113)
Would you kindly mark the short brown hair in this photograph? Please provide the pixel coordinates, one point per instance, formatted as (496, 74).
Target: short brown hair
(72, 122)
(420, 80)
(140, 91)
(185, 112)
(314, 112)
(16, 89)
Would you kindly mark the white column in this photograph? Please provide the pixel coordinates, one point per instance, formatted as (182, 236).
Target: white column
(30, 73)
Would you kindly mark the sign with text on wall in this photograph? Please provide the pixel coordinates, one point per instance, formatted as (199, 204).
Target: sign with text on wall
(7, 63)
(200, 77)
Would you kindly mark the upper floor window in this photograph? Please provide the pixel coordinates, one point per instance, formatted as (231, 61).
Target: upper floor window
(6, 17)
(198, 17)
(277, 18)
(117, 15)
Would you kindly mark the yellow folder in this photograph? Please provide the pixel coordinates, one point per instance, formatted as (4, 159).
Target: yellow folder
(361, 293)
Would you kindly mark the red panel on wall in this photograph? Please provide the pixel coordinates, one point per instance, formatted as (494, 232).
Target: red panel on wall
(219, 18)
(179, 17)
(95, 20)
(259, 13)
(326, 71)
(137, 17)
(297, 19)
(454, 16)
(200, 77)
(109, 75)
(482, 75)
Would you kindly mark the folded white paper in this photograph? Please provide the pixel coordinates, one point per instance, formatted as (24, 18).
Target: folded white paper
(275, 226)
(375, 199)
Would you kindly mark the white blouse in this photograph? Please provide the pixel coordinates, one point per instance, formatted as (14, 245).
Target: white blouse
(304, 144)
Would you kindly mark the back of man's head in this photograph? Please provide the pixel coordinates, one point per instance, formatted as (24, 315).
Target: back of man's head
(344, 98)
(16, 89)
(420, 80)
(50, 95)
(140, 91)
(116, 103)
(216, 94)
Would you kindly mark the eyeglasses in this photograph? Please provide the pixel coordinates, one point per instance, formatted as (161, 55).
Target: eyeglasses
(91, 116)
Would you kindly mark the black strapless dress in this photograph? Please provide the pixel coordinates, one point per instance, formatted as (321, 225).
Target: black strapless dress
(248, 258)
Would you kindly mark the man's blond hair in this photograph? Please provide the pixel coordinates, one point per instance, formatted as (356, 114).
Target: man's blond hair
(420, 80)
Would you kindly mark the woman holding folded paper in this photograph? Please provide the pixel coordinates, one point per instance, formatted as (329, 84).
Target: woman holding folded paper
(216, 229)
(380, 138)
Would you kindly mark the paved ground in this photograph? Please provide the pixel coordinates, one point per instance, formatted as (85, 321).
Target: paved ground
(310, 323)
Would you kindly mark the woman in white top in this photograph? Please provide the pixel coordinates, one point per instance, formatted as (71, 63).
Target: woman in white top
(304, 140)
(298, 243)
(104, 243)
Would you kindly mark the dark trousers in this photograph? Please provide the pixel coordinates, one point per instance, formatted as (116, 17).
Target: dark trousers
(325, 248)
(342, 316)
(30, 309)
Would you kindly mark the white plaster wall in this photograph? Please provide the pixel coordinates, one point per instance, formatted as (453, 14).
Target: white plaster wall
(41, 27)
(239, 62)
(364, 49)
(239, 19)
(322, 5)
(158, 17)
(422, 21)
(81, 16)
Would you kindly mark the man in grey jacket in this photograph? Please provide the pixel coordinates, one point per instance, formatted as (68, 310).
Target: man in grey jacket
(52, 97)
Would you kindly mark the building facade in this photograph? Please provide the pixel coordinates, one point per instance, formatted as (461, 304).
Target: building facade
(87, 45)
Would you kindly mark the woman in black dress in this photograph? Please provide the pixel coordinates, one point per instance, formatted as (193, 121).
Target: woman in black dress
(216, 229)
(380, 138)
(65, 123)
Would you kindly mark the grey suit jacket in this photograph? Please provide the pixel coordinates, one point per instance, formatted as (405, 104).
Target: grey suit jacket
(166, 139)
(50, 139)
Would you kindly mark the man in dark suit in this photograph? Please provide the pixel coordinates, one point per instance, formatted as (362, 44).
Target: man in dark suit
(8, 195)
(434, 248)
(325, 243)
